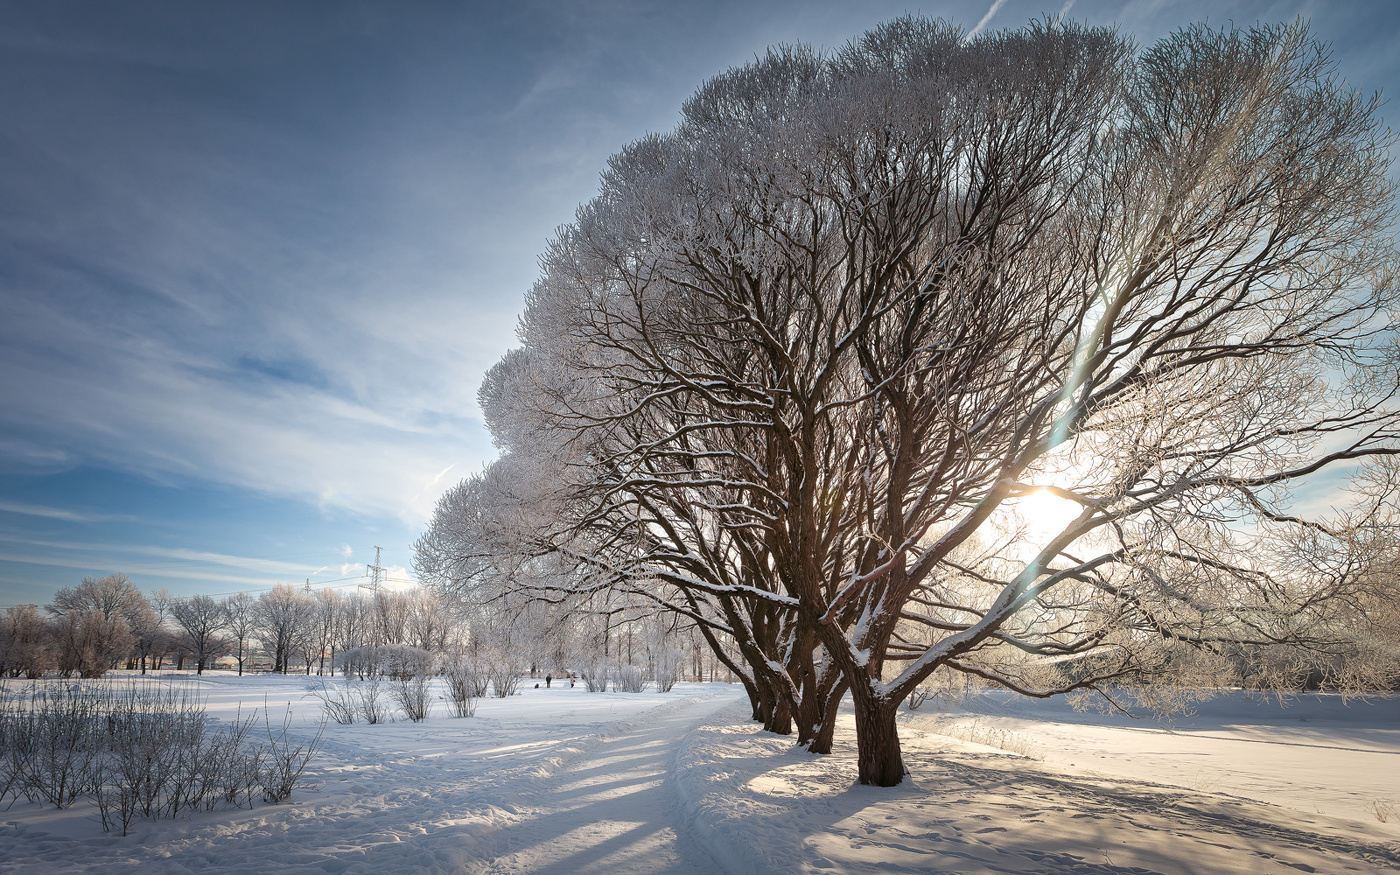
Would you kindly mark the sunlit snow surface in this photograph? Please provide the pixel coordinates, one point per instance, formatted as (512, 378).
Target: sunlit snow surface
(563, 780)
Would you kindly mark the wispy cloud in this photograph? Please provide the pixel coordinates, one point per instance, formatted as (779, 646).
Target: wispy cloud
(52, 513)
(61, 513)
(24, 455)
(179, 561)
(987, 18)
(250, 563)
(137, 570)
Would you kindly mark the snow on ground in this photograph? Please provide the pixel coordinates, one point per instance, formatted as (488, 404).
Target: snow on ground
(548, 780)
(563, 780)
(1100, 804)
(1314, 753)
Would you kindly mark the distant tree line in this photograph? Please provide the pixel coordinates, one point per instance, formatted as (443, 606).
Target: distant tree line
(106, 623)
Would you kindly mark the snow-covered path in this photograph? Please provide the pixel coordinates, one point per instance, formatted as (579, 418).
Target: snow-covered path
(614, 812)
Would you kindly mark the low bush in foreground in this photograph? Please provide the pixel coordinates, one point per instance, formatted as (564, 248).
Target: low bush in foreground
(147, 750)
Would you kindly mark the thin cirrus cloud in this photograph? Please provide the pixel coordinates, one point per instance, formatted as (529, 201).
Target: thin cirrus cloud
(58, 513)
(185, 307)
(163, 562)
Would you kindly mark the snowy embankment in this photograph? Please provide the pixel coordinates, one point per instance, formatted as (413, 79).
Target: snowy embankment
(1244, 786)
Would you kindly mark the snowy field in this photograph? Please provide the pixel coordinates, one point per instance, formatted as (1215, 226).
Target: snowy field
(563, 780)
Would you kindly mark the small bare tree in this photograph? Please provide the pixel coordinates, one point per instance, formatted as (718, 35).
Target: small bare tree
(241, 611)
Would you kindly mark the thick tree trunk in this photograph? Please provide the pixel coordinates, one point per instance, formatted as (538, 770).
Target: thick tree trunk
(774, 708)
(879, 759)
(780, 717)
(825, 730)
(755, 699)
(771, 705)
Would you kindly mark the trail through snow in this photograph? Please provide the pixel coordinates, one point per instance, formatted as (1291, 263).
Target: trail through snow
(613, 812)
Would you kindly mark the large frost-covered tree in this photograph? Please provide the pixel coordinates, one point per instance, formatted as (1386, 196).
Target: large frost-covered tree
(100, 621)
(202, 621)
(802, 362)
(282, 619)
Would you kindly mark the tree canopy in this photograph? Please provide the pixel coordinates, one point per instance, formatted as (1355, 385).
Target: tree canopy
(796, 369)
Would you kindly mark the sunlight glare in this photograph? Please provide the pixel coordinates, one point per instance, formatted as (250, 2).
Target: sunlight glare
(1046, 514)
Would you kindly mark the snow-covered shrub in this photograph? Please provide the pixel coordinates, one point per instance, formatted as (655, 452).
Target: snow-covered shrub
(504, 680)
(504, 667)
(595, 677)
(11, 737)
(629, 679)
(146, 750)
(466, 683)
(163, 757)
(412, 695)
(159, 736)
(284, 760)
(357, 661)
(390, 660)
(232, 762)
(53, 739)
(663, 657)
(405, 661)
(369, 700)
(339, 702)
(667, 669)
(347, 702)
(978, 732)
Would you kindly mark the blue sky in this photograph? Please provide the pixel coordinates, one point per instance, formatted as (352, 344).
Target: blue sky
(256, 257)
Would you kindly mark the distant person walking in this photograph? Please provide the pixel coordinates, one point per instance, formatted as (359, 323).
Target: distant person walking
(547, 679)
